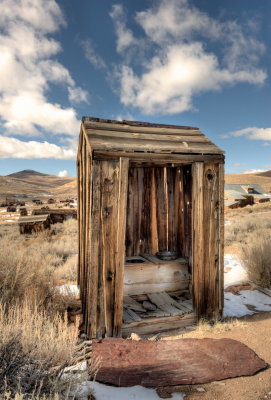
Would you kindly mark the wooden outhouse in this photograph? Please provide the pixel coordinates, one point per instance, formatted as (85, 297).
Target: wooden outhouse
(34, 223)
(150, 212)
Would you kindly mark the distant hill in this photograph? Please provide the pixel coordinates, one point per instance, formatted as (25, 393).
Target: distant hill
(36, 184)
(263, 179)
(26, 173)
(265, 173)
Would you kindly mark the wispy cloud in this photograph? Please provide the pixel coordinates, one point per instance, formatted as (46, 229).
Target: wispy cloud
(91, 54)
(28, 67)
(177, 64)
(252, 133)
(125, 37)
(253, 171)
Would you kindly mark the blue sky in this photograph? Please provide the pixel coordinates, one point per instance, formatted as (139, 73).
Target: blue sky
(203, 63)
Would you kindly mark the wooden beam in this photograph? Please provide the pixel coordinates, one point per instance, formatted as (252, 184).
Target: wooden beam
(165, 158)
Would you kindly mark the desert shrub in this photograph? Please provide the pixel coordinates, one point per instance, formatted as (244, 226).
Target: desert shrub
(257, 260)
(29, 266)
(31, 344)
(242, 229)
(68, 270)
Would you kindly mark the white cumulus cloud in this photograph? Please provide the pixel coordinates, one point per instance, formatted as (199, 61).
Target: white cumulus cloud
(177, 64)
(28, 67)
(63, 174)
(15, 148)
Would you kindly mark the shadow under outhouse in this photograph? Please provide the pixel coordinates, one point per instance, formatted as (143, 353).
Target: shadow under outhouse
(150, 218)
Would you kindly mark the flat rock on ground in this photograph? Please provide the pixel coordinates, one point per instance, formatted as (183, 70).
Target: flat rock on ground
(164, 363)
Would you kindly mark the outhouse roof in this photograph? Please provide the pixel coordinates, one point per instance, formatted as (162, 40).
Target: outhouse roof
(135, 136)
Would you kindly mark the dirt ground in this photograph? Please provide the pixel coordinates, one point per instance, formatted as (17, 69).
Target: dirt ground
(256, 334)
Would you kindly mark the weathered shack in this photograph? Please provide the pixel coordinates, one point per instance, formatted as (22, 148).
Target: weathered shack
(11, 209)
(37, 201)
(51, 201)
(57, 215)
(23, 212)
(37, 223)
(144, 189)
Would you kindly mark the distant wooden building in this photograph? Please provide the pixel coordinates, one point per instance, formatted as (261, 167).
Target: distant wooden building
(37, 201)
(34, 224)
(23, 212)
(51, 201)
(11, 209)
(145, 189)
(56, 214)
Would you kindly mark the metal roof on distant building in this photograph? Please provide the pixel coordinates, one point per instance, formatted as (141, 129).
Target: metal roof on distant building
(234, 194)
(240, 188)
(228, 203)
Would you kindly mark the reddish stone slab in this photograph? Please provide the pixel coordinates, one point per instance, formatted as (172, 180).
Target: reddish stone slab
(172, 362)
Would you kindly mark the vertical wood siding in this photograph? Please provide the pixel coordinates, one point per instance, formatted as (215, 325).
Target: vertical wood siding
(207, 239)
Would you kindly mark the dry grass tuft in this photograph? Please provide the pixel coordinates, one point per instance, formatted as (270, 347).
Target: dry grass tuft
(31, 344)
(257, 260)
(219, 326)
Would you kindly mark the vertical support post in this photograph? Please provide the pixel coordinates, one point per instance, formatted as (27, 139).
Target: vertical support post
(120, 250)
(197, 234)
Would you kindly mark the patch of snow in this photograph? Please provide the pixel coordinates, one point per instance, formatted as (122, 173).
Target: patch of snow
(226, 223)
(68, 289)
(82, 366)
(234, 272)
(106, 392)
(9, 220)
(200, 390)
(259, 300)
(235, 306)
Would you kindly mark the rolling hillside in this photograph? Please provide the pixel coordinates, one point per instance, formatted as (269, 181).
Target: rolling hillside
(36, 184)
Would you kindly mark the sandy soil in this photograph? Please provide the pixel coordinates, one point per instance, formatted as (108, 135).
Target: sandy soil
(255, 333)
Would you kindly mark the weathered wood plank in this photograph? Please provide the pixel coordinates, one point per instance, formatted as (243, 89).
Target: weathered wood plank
(163, 303)
(154, 232)
(95, 315)
(189, 130)
(162, 324)
(124, 135)
(187, 220)
(153, 278)
(120, 245)
(132, 314)
(129, 302)
(109, 229)
(111, 143)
